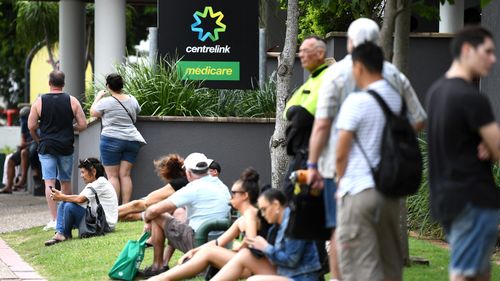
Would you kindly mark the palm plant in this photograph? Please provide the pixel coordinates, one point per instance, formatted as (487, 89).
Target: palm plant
(37, 21)
(161, 91)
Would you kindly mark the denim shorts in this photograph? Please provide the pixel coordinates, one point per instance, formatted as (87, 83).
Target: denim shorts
(56, 166)
(330, 203)
(113, 151)
(472, 236)
(311, 276)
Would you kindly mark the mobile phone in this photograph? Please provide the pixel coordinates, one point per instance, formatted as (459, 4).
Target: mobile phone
(56, 188)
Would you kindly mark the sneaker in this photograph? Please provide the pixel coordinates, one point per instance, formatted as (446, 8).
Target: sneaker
(51, 225)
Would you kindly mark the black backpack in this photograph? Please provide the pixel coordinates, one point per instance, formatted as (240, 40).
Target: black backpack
(400, 169)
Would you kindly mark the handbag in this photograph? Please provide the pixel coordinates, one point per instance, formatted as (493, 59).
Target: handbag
(307, 216)
(93, 225)
(129, 260)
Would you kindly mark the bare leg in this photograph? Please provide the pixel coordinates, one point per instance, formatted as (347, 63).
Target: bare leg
(332, 254)
(483, 277)
(24, 166)
(112, 173)
(51, 203)
(66, 187)
(132, 207)
(244, 259)
(208, 255)
(125, 181)
(158, 241)
(167, 254)
(268, 278)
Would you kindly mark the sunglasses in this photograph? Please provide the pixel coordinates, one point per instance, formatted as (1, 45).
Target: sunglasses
(263, 210)
(233, 192)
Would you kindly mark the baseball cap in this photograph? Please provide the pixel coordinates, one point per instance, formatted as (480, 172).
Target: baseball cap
(196, 162)
(363, 30)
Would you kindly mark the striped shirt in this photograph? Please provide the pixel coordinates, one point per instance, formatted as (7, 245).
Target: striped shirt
(361, 114)
(337, 84)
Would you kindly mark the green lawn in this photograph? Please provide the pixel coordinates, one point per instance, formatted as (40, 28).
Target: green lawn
(90, 259)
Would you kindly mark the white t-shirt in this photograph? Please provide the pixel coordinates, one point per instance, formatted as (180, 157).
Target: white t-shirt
(361, 114)
(205, 199)
(107, 197)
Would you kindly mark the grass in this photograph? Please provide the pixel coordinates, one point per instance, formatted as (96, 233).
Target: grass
(91, 259)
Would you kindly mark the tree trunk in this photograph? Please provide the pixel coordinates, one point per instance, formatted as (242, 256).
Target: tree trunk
(49, 48)
(402, 36)
(279, 158)
(390, 11)
(400, 60)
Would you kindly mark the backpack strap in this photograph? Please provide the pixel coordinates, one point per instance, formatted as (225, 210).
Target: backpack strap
(385, 107)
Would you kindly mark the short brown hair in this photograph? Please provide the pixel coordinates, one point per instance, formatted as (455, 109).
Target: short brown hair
(56, 78)
(170, 167)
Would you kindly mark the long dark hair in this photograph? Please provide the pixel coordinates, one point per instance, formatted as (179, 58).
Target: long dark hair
(249, 181)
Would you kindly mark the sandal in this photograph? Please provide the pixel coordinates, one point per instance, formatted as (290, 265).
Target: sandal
(53, 241)
(5, 191)
(150, 272)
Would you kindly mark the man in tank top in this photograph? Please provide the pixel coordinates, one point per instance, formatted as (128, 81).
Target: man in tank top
(53, 114)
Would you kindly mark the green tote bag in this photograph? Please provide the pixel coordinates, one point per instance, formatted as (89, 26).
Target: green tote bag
(129, 260)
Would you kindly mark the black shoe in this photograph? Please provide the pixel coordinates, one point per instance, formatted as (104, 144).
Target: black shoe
(150, 272)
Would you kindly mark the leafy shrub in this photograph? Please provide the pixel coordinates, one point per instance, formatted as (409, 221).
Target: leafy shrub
(161, 92)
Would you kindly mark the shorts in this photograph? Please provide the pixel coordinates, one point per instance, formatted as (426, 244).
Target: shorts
(56, 166)
(368, 237)
(472, 236)
(113, 151)
(330, 203)
(16, 157)
(180, 235)
(311, 276)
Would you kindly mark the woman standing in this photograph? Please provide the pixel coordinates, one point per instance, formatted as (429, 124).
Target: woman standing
(120, 139)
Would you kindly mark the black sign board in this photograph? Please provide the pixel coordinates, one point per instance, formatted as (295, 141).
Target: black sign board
(218, 40)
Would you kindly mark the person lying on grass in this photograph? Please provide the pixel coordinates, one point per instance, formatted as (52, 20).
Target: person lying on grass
(244, 194)
(285, 258)
(72, 208)
(169, 169)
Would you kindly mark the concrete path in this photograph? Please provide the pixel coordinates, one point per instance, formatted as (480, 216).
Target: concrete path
(19, 210)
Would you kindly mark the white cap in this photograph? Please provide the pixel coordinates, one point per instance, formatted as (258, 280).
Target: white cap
(363, 30)
(197, 162)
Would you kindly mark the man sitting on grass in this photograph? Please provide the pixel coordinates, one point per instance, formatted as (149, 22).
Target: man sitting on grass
(205, 198)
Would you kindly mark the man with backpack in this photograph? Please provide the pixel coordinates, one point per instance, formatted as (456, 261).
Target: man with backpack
(368, 221)
(463, 195)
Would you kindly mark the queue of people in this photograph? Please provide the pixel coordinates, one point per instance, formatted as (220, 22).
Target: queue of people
(336, 129)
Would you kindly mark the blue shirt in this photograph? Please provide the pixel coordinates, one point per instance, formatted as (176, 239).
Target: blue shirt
(292, 257)
(205, 199)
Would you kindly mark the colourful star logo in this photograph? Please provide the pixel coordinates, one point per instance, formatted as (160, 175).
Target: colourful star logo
(202, 35)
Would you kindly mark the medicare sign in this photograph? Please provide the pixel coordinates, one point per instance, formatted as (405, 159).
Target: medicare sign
(217, 40)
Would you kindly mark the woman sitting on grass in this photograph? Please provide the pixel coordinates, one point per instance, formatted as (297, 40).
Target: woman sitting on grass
(244, 194)
(169, 169)
(292, 259)
(72, 208)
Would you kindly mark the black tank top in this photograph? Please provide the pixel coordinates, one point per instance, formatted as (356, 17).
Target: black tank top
(56, 125)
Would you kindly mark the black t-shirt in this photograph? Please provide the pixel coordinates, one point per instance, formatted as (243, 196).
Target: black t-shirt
(456, 112)
(179, 183)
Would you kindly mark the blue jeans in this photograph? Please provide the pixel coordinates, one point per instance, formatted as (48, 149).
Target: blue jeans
(330, 203)
(472, 237)
(69, 215)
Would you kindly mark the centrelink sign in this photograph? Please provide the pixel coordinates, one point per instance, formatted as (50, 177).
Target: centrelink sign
(216, 39)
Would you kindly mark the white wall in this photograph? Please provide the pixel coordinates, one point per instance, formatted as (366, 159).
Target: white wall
(10, 136)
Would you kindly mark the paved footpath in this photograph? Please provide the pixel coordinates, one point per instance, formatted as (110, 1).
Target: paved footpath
(19, 211)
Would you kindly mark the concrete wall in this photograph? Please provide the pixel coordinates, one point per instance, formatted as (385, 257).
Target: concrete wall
(236, 143)
(491, 84)
(10, 136)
